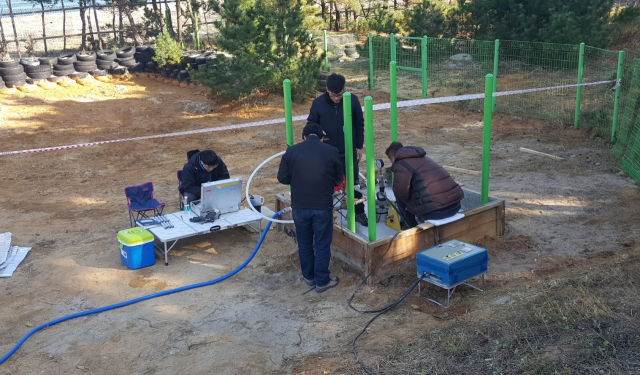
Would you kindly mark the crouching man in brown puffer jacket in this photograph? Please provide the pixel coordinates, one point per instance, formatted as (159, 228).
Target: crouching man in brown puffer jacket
(423, 189)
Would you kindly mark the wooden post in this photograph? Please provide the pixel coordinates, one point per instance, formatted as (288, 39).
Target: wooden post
(4, 40)
(44, 29)
(13, 23)
(113, 23)
(95, 14)
(64, 25)
(120, 16)
(178, 23)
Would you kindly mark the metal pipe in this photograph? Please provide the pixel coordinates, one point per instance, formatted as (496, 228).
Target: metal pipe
(496, 54)
(486, 137)
(348, 147)
(423, 67)
(579, 90)
(326, 53)
(288, 118)
(392, 39)
(371, 61)
(393, 101)
(616, 103)
(371, 167)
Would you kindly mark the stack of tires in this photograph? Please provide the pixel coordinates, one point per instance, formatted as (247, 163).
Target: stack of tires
(64, 67)
(12, 73)
(144, 57)
(105, 62)
(124, 58)
(85, 63)
(351, 52)
(38, 69)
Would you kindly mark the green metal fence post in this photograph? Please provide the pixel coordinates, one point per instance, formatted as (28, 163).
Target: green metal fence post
(423, 66)
(326, 53)
(394, 101)
(371, 61)
(616, 103)
(579, 90)
(486, 137)
(392, 39)
(496, 54)
(288, 118)
(371, 167)
(348, 147)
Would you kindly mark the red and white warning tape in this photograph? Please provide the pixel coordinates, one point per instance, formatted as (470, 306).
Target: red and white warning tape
(377, 107)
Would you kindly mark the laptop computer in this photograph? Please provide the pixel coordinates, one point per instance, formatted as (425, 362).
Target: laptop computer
(224, 195)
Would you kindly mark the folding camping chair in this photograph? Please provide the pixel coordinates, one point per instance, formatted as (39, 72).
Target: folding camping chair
(141, 200)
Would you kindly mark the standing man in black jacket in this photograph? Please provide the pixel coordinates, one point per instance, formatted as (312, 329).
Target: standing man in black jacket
(327, 111)
(313, 168)
(204, 166)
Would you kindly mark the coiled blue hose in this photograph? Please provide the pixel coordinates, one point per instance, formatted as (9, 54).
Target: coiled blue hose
(143, 298)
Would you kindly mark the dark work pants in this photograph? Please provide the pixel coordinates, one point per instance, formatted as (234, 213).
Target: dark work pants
(314, 232)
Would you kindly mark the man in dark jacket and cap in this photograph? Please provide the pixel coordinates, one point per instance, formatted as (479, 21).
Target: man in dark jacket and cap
(204, 166)
(423, 189)
(327, 111)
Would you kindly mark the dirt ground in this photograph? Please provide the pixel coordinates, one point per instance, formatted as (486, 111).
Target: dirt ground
(68, 206)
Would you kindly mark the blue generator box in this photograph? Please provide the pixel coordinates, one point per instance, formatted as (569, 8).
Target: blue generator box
(136, 248)
(452, 262)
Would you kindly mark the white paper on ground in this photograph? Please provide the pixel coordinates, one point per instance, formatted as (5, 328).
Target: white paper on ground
(17, 256)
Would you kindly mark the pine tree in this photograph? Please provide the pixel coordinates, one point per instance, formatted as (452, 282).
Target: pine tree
(267, 44)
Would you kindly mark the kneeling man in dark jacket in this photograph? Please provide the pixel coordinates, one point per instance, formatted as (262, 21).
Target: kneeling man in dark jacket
(423, 189)
(204, 166)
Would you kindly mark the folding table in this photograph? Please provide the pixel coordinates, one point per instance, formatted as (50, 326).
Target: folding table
(183, 228)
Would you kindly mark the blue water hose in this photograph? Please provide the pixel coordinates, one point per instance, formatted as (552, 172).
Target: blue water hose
(143, 298)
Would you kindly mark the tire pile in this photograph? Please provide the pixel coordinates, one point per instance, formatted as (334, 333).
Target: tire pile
(322, 81)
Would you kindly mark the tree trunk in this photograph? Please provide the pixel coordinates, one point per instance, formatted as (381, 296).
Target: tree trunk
(90, 31)
(15, 33)
(178, 21)
(121, 25)
(113, 23)
(395, 4)
(4, 40)
(169, 22)
(323, 8)
(337, 21)
(136, 37)
(84, 26)
(158, 13)
(330, 13)
(44, 29)
(95, 15)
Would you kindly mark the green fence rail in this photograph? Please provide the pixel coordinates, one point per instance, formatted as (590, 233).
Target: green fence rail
(436, 67)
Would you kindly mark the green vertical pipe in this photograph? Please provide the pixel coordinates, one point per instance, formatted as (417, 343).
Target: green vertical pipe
(371, 61)
(579, 90)
(348, 147)
(394, 101)
(496, 53)
(616, 103)
(326, 53)
(371, 167)
(197, 31)
(288, 118)
(392, 39)
(423, 66)
(486, 137)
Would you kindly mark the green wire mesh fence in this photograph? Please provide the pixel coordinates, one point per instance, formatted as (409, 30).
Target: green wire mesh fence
(458, 67)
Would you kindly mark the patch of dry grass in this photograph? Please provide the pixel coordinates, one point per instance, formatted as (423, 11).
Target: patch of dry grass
(584, 324)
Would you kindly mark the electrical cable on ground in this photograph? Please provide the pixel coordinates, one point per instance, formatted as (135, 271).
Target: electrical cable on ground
(383, 310)
(143, 298)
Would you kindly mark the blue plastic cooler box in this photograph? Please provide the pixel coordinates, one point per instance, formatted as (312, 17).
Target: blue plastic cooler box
(136, 248)
(452, 262)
